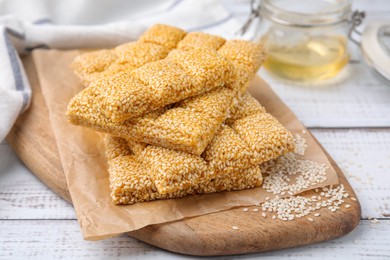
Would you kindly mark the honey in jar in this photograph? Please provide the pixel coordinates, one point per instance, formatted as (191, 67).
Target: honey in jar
(306, 39)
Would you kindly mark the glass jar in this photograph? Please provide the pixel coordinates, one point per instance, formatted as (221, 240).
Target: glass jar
(307, 39)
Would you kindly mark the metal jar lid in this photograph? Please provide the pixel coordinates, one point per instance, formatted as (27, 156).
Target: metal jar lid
(375, 48)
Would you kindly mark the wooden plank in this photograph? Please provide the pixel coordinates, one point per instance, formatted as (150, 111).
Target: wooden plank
(24, 196)
(26, 239)
(358, 101)
(365, 170)
(364, 157)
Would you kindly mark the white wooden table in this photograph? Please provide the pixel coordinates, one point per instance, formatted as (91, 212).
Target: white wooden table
(350, 117)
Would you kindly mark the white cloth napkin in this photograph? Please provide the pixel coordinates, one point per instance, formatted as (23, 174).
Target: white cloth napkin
(69, 24)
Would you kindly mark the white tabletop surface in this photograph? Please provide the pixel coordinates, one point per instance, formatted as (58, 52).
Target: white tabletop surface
(350, 117)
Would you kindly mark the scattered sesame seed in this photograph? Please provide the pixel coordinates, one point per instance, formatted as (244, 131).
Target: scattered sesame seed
(299, 206)
(300, 145)
(353, 198)
(273, 217)
(347, 206)
(245, 209)
(374, 221)
(278, 172)
(256, 210)
(264, 215)
(310, 219)
(235, 227)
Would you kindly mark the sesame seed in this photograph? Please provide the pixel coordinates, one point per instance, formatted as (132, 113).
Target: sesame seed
(299, 206)
(277, 173)
(353, 198)
(256, 210)
(301, 145)
(235, 227)
(310, 219)
(245, 209)
(347, 206)
(374, 221)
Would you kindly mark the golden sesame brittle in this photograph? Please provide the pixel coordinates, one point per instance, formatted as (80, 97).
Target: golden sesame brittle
(153, 45)
(146, 86)
(242, 141)
(131, 181)
(187, 126)
(229, 152)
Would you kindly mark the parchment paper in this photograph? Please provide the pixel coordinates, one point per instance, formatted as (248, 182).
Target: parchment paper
(82, 155)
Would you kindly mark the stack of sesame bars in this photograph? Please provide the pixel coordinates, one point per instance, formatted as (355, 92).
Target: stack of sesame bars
(176, 114)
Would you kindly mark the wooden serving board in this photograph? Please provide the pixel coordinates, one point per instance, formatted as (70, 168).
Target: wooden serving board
(33, 140)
